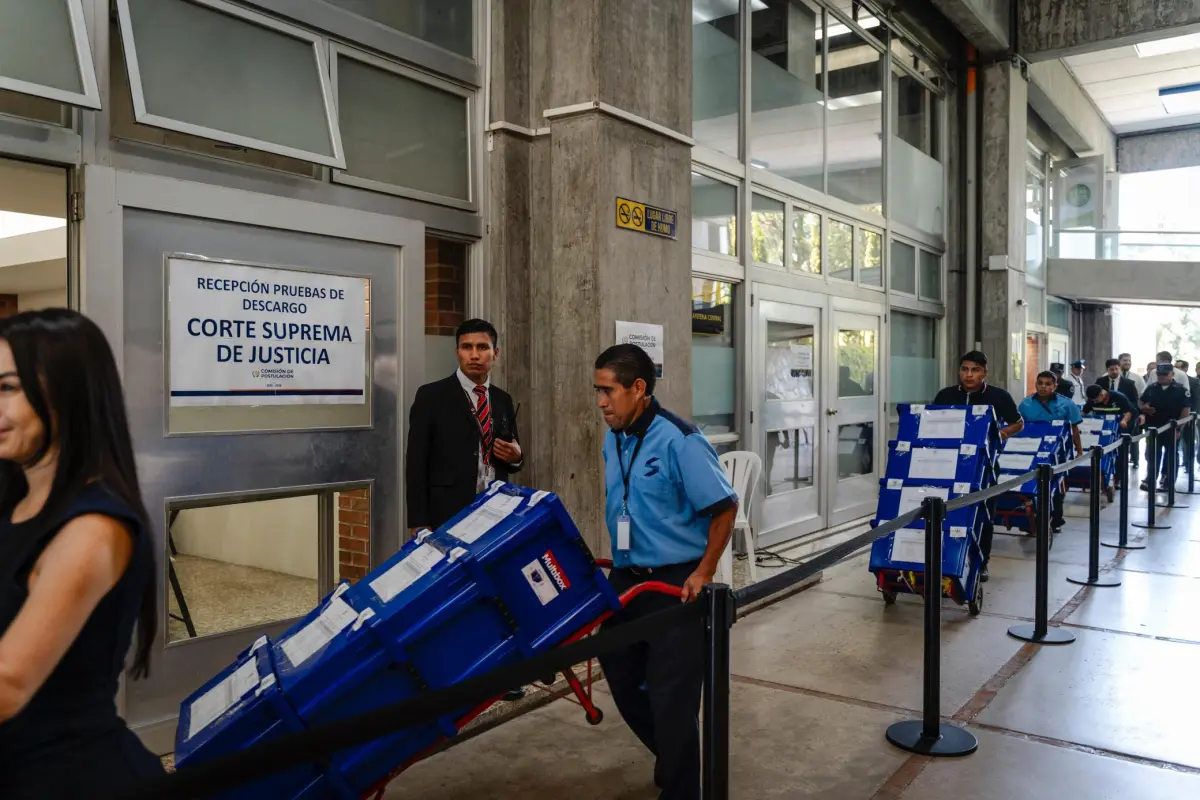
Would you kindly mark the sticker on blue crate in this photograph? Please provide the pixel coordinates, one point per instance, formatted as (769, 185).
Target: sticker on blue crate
(962, 488)
(495, 510)
(903, 447)
(958, 531)
(979, 411)
(912, 496)
(895, 483)
(406, 572)
(1017, 463)
(1089, 440)
(1019, 444)
(208, 707)
(1058, 423)
(546, 577)
(946, 423)
(916, 408)
(1091, 424)
(1050, 439)
(968, 449)
(933, 463)
(307, 641)
(909, 546)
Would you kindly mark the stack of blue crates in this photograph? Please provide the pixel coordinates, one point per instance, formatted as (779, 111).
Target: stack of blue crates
(507, 578)
(945, 451)
(1038, 443)
(1102, 430)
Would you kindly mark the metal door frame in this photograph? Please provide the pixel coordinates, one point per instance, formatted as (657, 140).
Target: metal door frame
(865, 486)
(107, 192)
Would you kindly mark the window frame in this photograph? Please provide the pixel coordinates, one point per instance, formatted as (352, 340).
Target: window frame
(795, 208)
(318, 44)
(340, 175)
(941, 259)
(729, 180)
(737, 287)
(90, 98)
(864, 230)
(827, 224)
(783, 200)
(916, 248)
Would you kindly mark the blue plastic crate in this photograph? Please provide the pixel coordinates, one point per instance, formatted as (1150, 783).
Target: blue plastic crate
(240, 707)
(938, 425)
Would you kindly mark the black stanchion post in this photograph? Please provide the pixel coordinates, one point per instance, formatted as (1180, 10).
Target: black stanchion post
(1040, 631)
(1122, 542)
(1151, 482)
(1093, 574)
(1173, 465)
(930, 736)
(1189, 450)
(719, 619)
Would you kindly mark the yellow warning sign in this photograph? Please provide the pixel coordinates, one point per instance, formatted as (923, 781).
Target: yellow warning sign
(635, 216)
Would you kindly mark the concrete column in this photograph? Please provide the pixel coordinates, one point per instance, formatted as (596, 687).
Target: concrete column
(561, 272)
(1002, 213)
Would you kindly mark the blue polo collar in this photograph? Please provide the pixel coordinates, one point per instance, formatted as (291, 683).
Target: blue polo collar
(642, 424)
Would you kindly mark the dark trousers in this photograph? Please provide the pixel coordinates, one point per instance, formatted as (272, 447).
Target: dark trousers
(987, 530)
(1056, 508)
(1164, 445)
(656, 685)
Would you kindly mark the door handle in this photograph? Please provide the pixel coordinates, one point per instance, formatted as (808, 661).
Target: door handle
(832, 412)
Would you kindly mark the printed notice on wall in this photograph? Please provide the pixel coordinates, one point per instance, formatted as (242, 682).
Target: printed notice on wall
(646, 336)
(259, 336)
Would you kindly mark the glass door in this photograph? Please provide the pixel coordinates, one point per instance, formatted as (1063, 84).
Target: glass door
(852, 413)
(788, 428)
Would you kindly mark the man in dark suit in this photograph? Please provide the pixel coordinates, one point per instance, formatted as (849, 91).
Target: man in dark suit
(462, 433)
(1113, 382)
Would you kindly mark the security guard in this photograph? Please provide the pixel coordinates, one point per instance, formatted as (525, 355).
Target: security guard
(1077, 381)
(1162, 402)
(670, 512)
(1065, 387)
(1047, 405)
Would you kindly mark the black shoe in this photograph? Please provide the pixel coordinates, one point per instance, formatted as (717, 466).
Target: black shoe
(1145, 486)
(1057, 525)
(983, 573)
(515, 694)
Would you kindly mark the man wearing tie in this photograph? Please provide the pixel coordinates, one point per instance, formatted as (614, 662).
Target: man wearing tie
(1126, 361)
(1115, 382)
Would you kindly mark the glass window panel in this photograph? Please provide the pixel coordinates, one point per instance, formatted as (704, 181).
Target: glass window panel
(855, 124)
(787, 99)
(856, 362)
(403, 132)
(1035, 222)
(914, 363)
(840, 249)
(204, 72)
(915, 114)
(931, 276)
(856, 449)
(806, 242)
(37, 45)
(714, 215)
(789, 407)
(870, 257)
(243, 564)
(1035, 301)
(1057, 314)
(445, 23)
(445, 303)
(904, 268)
(716, 74)
(766, 220)
(714, 365)
(917, 178)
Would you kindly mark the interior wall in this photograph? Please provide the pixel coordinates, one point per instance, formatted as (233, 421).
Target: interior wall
(49, 298)
(278, 535)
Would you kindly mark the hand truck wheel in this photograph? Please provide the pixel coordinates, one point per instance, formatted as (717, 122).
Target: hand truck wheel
(889, 598)
(975, 605)
(596, 718)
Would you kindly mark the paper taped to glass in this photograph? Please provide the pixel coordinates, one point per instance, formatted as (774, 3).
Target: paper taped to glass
(933, 463)
(946, 423)
(408, 571)
(912, 496)
(225, 695)
(497, 509)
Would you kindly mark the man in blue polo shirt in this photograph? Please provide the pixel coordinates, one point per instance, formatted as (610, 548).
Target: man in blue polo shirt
(1047, 405)
(670, 512)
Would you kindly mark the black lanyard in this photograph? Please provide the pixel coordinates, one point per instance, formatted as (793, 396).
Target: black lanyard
(625, 475)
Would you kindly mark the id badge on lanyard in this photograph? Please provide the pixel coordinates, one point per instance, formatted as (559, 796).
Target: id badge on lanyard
(624, 522)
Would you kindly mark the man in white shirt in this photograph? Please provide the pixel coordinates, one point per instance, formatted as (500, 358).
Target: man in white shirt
(1181, 377)
(1127, 372)
(1075, 376)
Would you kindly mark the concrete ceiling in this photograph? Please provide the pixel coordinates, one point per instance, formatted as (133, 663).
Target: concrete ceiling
(1124, 86)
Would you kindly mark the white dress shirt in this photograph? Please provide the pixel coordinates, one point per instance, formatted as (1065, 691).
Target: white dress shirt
(1080, 394)
(1138, 381)
(485, 472)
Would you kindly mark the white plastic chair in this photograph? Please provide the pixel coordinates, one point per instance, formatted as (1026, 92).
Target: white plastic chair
(743, 469)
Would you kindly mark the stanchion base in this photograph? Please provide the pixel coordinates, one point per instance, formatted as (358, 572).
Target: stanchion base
(1097, 582)
(1154, 527)
(951, 741)
(1024, 632)
(1120, 546)
(1177, 505)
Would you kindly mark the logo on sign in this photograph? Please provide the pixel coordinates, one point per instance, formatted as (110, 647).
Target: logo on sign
(555, 571)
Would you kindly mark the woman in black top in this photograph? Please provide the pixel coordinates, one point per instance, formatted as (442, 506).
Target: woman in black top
(76, 566)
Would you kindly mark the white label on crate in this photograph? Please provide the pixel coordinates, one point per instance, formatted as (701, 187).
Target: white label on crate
(1089, 440)
(1049, 439)
(948, 423)
(538, 496)
(336, 617)
(895, 483)
(916, 408)
(225, 695)
(1022, 445)
(266, 683)
(487, 516)
(933, 463)
(958, 531)
(1057, 423)
(1091, 424)
(406, 572)
(979, 411)
(903, 447)
(546, 577)
(912, 496)
(1045, 454)
(908, 546)
(1021, 463)
(962, 488)
(495, 487)
(968, 449)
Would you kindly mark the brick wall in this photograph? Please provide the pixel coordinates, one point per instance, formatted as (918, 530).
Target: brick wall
(445, 286)
(354, 533)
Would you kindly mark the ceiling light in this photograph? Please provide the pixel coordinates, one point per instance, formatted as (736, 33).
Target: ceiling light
(838, 29)
(1176, 44)
(709, 10)
(1181, 99)
(14, 224)
(855, 100)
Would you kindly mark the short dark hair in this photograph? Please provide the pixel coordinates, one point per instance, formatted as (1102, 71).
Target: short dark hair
(975, 357)
(1112, 362)
(1048, 375)
(1183, 365)
(1125, 355)
(628, 362)
(477, 326)
(1093, 392)
(1164, 356)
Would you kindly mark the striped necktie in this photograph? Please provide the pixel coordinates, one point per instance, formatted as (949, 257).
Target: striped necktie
(483, 415)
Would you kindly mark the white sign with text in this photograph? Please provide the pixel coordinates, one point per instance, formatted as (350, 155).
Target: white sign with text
(646, 336)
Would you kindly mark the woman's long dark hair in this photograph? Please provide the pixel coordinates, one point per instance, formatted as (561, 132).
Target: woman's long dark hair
(70, 379)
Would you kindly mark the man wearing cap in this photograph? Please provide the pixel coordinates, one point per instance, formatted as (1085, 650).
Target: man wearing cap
(973, 390)
(1047, 405)
(1162, 402)
(1076, 379)
(1110, 404)
(1065, 387)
